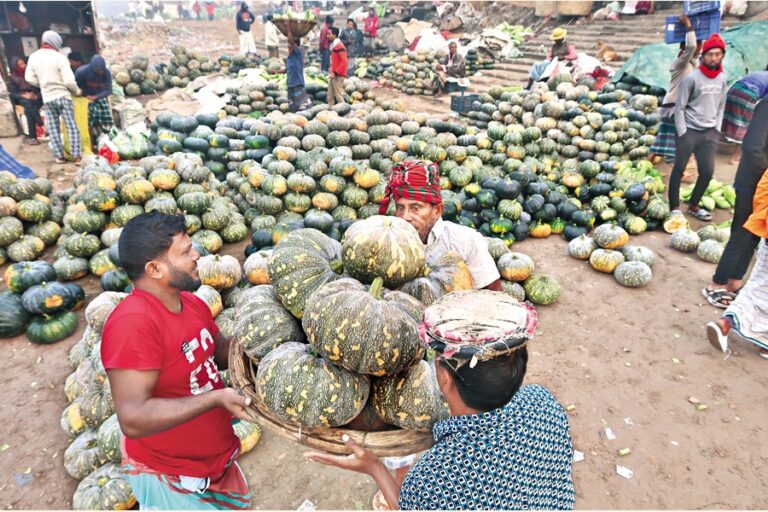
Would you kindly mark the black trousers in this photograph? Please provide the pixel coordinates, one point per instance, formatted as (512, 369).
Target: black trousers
(32, 113)
(703, 146)
(742, 244)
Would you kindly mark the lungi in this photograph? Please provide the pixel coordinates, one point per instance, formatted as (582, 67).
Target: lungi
(739, 108)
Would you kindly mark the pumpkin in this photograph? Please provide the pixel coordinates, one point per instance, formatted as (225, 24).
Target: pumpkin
(515, 266)
(412, 399)
(638, 253)
(83, 245)
(675, 223)
(226, 322)
(32, 210)
(685, 240)
(385, 247)
(301, 263)
(234, 232)
(514, 289)
(108, 440)
(50, 329)
(96, 404)
(605, 260)
(111, 236)
(210, 240)
(82, 349)
(497, 247)
(710, 251)
(581, 247)
(262, 322)
(256, 268)
(372, 331)
(249, 434)
(101, 263)
(13, 316)
(104, 489)
(75, 297)
(137, 191)
(71, 422)
(444, 272)
(302, 389)
(220, 272)
(610, 236)
(26, 248)
(46, 298)
(115, 280)
(86, 221)
(82, 457)
(212, 299)
(542, 289)
(633, 274)
(99, 309)
(11, 229)
(23, 275)
(47, 231)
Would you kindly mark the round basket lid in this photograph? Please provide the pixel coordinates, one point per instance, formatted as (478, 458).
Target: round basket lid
(477, 324)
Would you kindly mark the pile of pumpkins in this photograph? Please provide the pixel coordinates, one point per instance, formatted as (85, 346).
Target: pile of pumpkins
(608, 251)
(139, 77)
(93, 456)
(38, 304)
(518, 278)
(708, 242)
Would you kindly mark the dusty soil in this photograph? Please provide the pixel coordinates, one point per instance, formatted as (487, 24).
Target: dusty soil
(628, 360)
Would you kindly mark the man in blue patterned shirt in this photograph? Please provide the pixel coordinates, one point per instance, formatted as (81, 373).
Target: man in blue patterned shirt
(503, 447)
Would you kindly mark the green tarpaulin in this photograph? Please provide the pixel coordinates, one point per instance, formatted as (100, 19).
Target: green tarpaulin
(746, 52)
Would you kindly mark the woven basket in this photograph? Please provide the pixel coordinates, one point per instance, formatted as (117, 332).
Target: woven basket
(299, 28)
(390, 443)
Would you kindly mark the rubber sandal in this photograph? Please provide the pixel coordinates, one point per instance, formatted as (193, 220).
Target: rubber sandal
(61, 161)
(715, 297)
(716, 337)
(763, 353)
(700, 214)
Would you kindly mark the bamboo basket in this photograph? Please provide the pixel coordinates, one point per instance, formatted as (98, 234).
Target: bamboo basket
(299, 28)
(390, 443)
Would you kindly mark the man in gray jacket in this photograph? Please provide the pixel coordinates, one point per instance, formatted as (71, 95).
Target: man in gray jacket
(698, 117)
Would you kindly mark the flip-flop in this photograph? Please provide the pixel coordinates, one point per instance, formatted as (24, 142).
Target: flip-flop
(763, 354)
(715, 297)
(700, 214)
(716, 337)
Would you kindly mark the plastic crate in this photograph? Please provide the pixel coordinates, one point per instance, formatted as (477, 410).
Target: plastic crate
(694, 8)
(463, 103)
(703, 24)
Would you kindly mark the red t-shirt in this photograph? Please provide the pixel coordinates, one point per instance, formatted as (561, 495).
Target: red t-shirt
(141, 334)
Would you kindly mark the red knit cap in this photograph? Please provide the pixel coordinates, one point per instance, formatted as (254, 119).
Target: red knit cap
(412, 180)
(714, 41)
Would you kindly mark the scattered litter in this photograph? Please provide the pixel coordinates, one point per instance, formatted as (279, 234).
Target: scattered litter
(624, 452)
(628, 421)
(307, 505)
(676, 360)
(33, 383)
(627, 364)
(674, 443)
(578, 456)
(4, 447)
(625, 472)
(609, 434)
(570, 407)
(694, 400)
(39, 359)
(702, 407)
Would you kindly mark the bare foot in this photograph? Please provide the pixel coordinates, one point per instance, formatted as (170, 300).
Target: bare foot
(724, 324)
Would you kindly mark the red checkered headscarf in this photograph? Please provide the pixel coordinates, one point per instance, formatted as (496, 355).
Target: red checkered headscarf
(412, 180)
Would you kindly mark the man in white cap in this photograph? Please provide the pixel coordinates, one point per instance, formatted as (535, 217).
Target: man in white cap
(49, 70)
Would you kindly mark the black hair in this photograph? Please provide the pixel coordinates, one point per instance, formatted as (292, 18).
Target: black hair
(145, 237)
(329, 19)
(75, 56)
(354, 25)
(269, 17)
(490, 384)
(335, 31)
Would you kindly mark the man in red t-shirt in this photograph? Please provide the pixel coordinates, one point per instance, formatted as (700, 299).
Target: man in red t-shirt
(162, 352)
(371, 27)
(338, 68)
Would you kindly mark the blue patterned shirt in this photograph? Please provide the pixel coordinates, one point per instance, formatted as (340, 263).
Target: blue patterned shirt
(512, 458)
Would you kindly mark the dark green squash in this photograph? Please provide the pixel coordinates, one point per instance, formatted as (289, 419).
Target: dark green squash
(46, 298)
(25, 274)
(13, 316)
(50, 329)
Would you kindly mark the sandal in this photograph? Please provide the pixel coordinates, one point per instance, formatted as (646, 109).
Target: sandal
(700, 214)
(763, 353)
(61, 160)
(715, 297)
(716, 337)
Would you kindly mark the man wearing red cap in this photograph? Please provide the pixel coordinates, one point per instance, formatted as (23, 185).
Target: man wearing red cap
(414, 187)
(698, 117)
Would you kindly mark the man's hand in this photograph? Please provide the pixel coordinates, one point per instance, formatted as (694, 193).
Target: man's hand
(333, 75)
(235, 403)
(28, 95)
(91, 98)
(360, 460)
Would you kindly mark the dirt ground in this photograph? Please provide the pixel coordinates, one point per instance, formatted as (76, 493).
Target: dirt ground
(628, 360)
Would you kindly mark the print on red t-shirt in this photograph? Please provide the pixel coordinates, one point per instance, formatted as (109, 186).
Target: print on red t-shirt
(141, 334)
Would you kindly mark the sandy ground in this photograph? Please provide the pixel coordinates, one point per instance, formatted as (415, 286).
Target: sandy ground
(628, 360)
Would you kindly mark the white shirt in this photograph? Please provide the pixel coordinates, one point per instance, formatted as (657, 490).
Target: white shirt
(270, 34)
(470, 245)
(49, 70)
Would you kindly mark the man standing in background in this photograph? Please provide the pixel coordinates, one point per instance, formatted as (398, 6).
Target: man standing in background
(338, 68)
(325, 44)
(49, 70)
(270, 38)
(243, 21)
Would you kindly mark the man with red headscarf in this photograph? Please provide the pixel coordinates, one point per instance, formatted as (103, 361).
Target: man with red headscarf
(414, 187)
(698, 117)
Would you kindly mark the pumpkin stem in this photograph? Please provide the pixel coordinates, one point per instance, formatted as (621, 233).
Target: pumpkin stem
(376, 287)
(337, 265)
(427, 271)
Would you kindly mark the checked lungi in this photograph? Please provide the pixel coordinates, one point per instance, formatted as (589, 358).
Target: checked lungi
(664, 144)
(64, 108)
(739, 108)
(100, 115)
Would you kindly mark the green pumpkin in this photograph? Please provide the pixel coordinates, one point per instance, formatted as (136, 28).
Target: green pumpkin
(497, 248)
(46, 330)
(11, 230)
(301, 263)
(47, 231)
(101, 263)
(27, 248)
(194, 203)
(210, 240)
(82, 457)
(32, 210)
(20, 276)
(515, 266)
(710, 251)
(69, 268)
(99, 309)
(581, 247)
(96, 404)
(108, 440)
(263, 323)
(633, 274)
(115, 280)
(513, 289)
(685, 240)
(605, 260)
(542, 289)
(444, 272)
(610, 236)
(86, 221)
(104, 489)
(13, 316)
(372, 332)
(71, 422)
(302, 389)
(76, 297)
(638, 253)
(122, 214)
(83, 245)
(386, 247)
(234, 232)
(412, 399)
